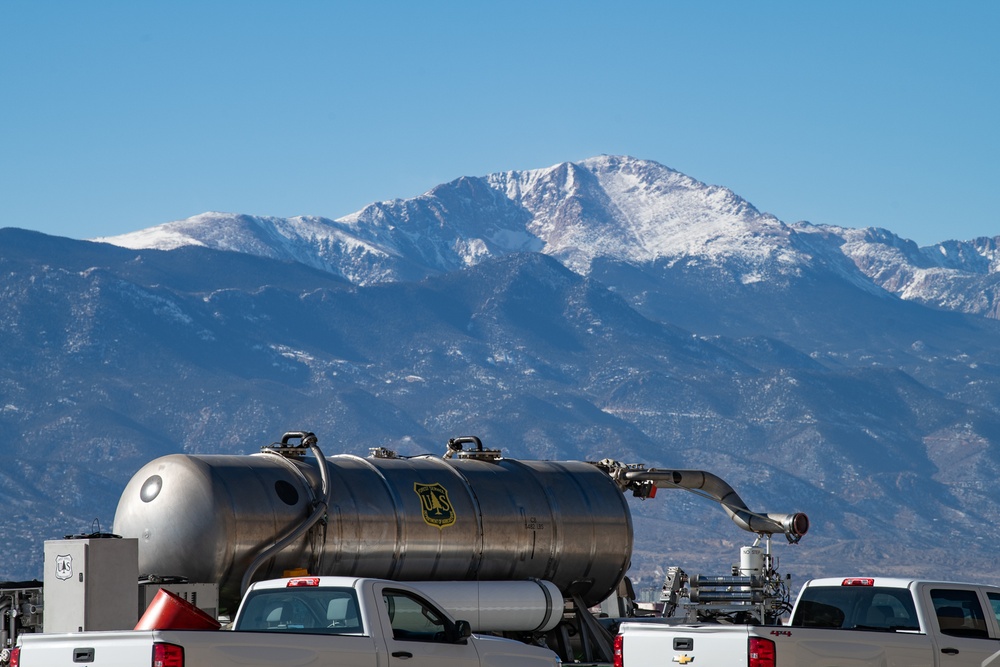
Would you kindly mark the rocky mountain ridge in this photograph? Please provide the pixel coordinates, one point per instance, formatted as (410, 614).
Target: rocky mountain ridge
(607, 208)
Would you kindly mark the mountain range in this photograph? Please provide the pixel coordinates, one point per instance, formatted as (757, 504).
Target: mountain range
(608, 308)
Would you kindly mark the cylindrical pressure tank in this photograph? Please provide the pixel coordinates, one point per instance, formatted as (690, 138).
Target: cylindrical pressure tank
(499, 606)
(413, 519)
(751, 561)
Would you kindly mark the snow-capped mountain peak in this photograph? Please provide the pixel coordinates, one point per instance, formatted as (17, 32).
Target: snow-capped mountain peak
(614, 207)
(640, 211)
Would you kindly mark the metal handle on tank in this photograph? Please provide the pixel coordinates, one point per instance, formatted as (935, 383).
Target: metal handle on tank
(455, 444)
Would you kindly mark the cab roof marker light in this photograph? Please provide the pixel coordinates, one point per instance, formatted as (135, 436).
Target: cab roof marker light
(858, 581)
(302, 581)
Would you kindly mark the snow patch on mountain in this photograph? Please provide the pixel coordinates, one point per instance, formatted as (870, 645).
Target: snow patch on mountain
(162, 237)
(317, 242)
(953, 275)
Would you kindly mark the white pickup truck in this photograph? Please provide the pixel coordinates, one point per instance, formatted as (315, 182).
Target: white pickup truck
(344, 621)
(858, 621)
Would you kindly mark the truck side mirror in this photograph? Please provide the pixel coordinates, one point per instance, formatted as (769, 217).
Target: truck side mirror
(461, 630)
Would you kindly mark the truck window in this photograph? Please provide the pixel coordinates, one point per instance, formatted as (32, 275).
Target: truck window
(959, 613)
(995, 603)
(413, 619)
(856, 608)
(307, 610)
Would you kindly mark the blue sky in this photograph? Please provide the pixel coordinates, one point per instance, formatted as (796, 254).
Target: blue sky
(115, 116)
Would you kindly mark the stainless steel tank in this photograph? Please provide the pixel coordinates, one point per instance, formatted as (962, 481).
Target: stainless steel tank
(413, 519)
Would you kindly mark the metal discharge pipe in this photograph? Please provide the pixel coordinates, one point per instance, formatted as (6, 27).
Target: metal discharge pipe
(793, 525)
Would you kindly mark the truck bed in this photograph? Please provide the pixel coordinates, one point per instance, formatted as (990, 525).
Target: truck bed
(219, 648)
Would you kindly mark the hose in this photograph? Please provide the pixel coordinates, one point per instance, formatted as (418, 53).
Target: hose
(294, 533)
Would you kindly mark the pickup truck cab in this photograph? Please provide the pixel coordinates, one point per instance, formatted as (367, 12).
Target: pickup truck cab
(347, 621)
(935, 623)
(857, 621)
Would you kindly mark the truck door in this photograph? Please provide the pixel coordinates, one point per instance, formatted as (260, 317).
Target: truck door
(965, 635)
(420, 635)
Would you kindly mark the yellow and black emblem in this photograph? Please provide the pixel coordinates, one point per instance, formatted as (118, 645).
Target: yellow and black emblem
(435, 506)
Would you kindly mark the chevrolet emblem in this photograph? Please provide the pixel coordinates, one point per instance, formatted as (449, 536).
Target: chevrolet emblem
(683, 659)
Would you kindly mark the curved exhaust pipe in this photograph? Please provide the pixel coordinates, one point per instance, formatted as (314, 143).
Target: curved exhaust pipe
(793, 525)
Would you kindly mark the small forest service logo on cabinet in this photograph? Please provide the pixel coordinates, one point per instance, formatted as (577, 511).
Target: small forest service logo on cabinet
(435, 506)
(64, 566)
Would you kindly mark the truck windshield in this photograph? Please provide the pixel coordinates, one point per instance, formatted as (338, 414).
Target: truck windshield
(856, 608)
(308, 610)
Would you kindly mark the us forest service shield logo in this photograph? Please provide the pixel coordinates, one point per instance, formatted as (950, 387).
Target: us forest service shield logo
(64, 566)
(435, 506)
